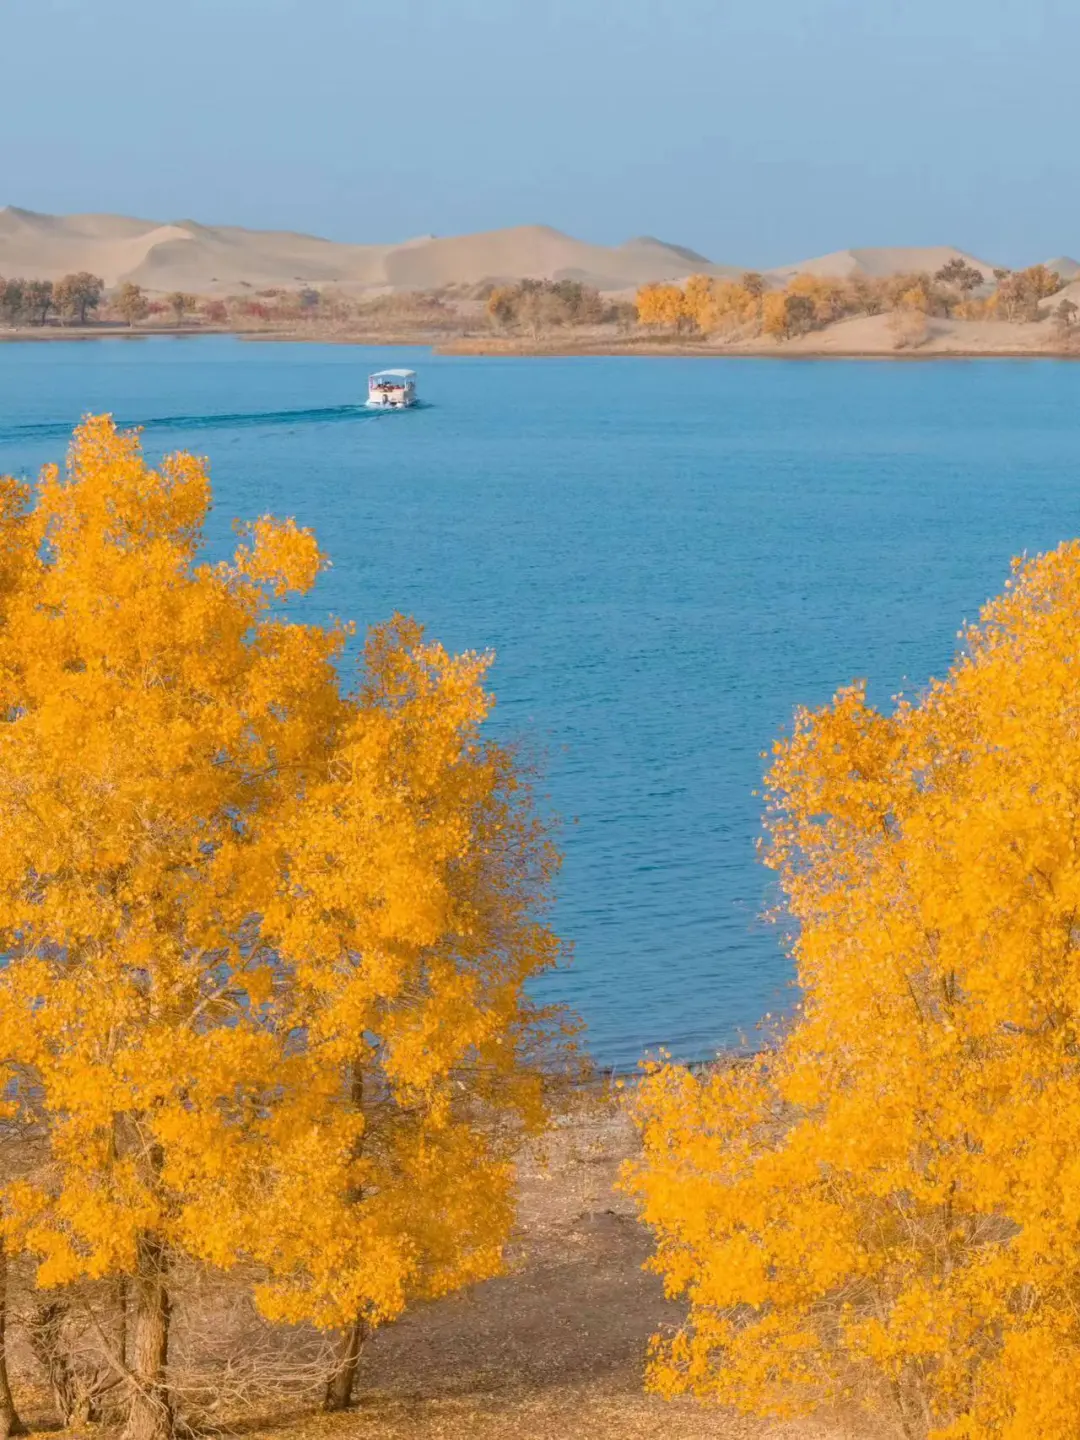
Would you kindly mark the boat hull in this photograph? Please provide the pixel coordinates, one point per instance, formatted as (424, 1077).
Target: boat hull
(383, 402)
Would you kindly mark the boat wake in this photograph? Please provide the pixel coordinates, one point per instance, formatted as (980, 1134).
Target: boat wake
(241, 420)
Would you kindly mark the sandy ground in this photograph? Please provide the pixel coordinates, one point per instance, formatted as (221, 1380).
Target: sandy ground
(865, 336)
(883, 260)
(554, 1350)
(875, 335)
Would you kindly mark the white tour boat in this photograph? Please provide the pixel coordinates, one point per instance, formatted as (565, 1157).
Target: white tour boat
(392, 388)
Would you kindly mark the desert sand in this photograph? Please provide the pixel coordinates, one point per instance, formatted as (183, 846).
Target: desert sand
(877, 335)
(205, 259)
(228, 261)
(892, 260)
(209, 259)
(864, 336)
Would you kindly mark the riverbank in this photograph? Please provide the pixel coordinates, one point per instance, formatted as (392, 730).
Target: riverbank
(864, 337)
(37, 334)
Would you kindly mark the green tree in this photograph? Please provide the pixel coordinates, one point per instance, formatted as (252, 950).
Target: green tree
(800, 313)
(959, 275)
(1065, 313)
(131, 302)
(74, 296)
(11, 301)
(180, 304)
(1019, 292)
(37, 300)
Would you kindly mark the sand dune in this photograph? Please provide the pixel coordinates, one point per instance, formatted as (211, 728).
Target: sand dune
(876, 335)
(883, 261)
(1070, 292)
(208, 259)
(189, 256)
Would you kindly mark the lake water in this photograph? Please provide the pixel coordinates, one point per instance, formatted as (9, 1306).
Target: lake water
(667, 556)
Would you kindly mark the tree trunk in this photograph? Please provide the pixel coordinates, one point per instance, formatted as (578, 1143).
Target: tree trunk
(10, 1424)
(339, 1388)
(122, 1321)
(150, 1415)
(73, 1401)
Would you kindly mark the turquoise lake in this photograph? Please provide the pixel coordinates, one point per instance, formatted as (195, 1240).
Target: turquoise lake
(667, 556)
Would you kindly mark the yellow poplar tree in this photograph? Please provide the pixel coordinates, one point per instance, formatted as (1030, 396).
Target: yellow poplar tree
(152, 713)
(886, 1205)
(660, 305)
(410, 917)
(825, 294)
(180, 770)
(699, 303)
(734, 303)
(774, 315)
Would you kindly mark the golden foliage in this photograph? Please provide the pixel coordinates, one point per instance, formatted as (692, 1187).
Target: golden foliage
(888, 1202)
(267, 940)
(1019, 291)
(973, 308)
(774, 319)
(826, 295)
(705, 305)
(807, 302)
(660, 305)
(914, 299)
(1042, 281)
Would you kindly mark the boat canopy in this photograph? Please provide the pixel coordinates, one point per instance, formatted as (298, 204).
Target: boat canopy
(393, 375)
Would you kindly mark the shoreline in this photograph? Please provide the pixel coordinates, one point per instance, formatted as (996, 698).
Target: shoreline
(462, 346)
(778, 353)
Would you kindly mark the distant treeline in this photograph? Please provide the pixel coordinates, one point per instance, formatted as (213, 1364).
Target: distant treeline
(80, 298)
(83, 299)
(30, 302)
(704, 306)
(537, 305)
(749, 306)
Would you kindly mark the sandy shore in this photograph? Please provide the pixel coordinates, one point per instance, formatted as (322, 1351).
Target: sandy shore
(866, 337)
(37, 334)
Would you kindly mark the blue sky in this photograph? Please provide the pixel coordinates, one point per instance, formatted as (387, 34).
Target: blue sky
(758, 131)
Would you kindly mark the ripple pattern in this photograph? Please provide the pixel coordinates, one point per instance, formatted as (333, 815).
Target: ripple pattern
(667, 556)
